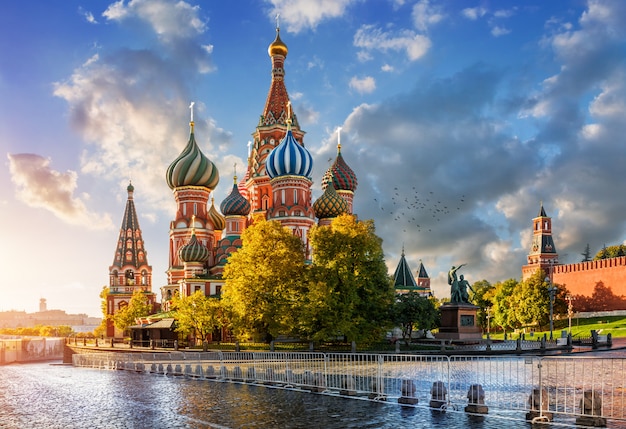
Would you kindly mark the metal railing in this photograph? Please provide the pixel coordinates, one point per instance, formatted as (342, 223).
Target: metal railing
(589, 390)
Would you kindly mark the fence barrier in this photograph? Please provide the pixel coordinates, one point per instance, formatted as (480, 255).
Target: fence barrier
(586, 390)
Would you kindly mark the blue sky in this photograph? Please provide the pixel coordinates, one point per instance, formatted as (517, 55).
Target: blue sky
(459, 119)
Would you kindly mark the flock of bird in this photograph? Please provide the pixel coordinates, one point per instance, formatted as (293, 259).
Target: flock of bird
(421, 210)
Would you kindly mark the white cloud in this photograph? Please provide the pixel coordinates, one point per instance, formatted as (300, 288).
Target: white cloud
(371, 38)
(177, 24)
(168, 18)
(474, 13)
(387, 68)
(38, 185)
(87, 15)
(425, 15)
(498, 31)
(364, 85)
(299, 15)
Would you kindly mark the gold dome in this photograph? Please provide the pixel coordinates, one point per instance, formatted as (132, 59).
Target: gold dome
(277, 47)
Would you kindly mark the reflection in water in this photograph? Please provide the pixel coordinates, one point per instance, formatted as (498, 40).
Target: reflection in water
(63, 397)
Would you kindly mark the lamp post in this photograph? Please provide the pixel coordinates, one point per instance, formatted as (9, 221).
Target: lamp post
(488, 309)
(570, 311)
(551, 290)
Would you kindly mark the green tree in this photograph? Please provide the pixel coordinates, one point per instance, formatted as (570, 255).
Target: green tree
(264, 281)
(350, 292)
(610, 252)
(532, 300)
(586, 254)
(411, 310)
(101, 330)
(483, 298)
(197, 314)
(138, 306)
(503, 306)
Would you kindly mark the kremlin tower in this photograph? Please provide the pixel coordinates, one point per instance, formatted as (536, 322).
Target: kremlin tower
(130, 271)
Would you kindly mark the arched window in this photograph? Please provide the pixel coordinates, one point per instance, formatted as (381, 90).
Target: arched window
(129, 256)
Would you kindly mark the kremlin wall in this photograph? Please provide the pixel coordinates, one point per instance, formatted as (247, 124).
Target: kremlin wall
(579, 278)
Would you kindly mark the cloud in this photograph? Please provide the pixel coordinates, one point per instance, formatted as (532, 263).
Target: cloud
(87, 15)
(364, 85)
(425, 15)
(474, 13)
(177, 24)
(498, 31)
(371, 38)
(38, 185)
(300, 15)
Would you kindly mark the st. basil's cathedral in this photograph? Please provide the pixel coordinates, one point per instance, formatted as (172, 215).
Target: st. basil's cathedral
(276, 185)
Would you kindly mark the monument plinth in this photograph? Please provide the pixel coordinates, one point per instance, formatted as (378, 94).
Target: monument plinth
(459, 322)
(458, 317)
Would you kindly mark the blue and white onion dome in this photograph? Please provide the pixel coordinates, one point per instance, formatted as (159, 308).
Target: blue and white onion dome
(289, 158)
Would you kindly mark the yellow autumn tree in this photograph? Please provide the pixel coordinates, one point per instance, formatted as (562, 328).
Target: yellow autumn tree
(264, 282)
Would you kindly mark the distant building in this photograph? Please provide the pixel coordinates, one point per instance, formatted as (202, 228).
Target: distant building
(130, 271)
(579, 278)
(45, 317)
(404, 281)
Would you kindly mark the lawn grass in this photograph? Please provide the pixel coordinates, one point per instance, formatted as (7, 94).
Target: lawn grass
(615, 325)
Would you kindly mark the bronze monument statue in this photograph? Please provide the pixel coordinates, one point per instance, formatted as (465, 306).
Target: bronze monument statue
(458, 287)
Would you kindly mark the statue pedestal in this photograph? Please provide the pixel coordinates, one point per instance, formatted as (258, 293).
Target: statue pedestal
(458, 322)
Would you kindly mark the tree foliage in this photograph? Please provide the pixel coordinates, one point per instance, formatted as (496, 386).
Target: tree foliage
(610, 252)
(586, 254)
(197, 315)
(483, 297)
(350, 292)
(264, 281)
(503, 307)
(138, 306)
(411, 310)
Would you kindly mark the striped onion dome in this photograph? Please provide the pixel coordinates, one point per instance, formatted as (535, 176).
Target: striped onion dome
(330, 204)
(194, 251)
(218, 221)
(192, 168)
(289, 158)
(340, 174)
(235, 204)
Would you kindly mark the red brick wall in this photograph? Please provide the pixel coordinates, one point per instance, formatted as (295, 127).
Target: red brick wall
(581, 278)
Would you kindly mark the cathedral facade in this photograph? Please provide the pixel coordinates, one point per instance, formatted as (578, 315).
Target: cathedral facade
(276, 185)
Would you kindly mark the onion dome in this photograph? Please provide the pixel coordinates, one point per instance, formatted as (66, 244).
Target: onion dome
(235, 204)
(130, 188)
(192, 168)
(341, 175)
(218, 221)
(289, 158)
(277, 47)
(330, 204)
(194, 251)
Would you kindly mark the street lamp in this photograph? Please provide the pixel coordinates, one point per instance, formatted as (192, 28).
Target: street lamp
(551, 290)
(570, 311)
(488, 317)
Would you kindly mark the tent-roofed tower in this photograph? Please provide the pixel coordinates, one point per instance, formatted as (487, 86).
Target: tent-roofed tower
(270, 130)
(542, 253)
(130, 271)
(404, 282)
